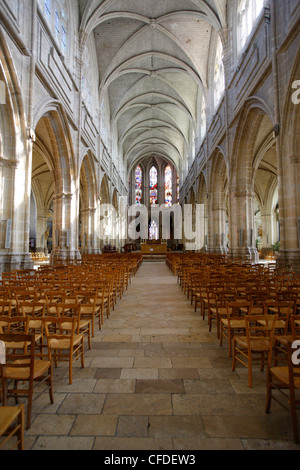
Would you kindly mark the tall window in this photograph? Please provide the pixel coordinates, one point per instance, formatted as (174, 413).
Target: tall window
(47, 8)
(86, 79)
(219, 78)
(60, 25)
(153, 187)
(168, 186)
(248, 12)
(55, 14)
(203, 119)
(153, 230)
(138, 185)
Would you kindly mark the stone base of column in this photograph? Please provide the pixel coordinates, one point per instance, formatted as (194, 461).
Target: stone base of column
(15, 261)
(61, 256)
(289, 260)
(217, 250)
(244, 254)
(90, 251)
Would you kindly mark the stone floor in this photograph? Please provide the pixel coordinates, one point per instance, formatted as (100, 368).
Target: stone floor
(156, 379)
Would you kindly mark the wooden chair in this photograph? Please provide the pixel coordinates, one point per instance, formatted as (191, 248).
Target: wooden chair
(5, 312)
(22, 365)
(295, 325)
(217, 307)
(234, 322)
(281, 340)
(257, 298)
(89, 309)
(105, 286)
(5, 307)
(286, 380)
(16, 324)
(60, 340)
(200, 295)
(288, 296)
(283, 311)
(82, 325)
(12, 424)
(258, 341)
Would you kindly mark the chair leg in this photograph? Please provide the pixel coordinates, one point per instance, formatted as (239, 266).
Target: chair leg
(29, 406)
(221, 335)
(249, 371)
(269, 393)
(21, 429)
(4, 386)
(229, 343)
(82, 353)
(233, 356)
(294, 417)
(71, 366)
(50, 382)
(89, 336)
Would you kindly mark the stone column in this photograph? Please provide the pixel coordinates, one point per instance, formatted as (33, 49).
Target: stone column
(267, 229)
(41, 236)
(242, 225)
(14, 215)
(88, 231)
(65, 230)
(289, 216)
(216, 234)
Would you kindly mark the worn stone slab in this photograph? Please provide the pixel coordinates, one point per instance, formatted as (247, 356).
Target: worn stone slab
(138, 404)
(95, 425)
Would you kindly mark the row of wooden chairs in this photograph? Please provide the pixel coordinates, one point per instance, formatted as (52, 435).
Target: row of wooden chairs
(46, 317)
(255, 309)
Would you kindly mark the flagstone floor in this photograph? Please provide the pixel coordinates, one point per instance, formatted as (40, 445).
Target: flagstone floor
(156, 379)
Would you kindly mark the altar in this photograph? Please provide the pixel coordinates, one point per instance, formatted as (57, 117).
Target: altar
(154, 248)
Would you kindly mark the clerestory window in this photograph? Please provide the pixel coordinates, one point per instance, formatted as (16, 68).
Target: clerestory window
(248, 12)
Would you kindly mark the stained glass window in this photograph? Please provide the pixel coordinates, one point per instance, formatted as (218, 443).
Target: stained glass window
(153, 187)
(138, 185)
(168, 186)
(153, 231)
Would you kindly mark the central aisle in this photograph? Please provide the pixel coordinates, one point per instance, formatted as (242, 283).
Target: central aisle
(156, 379)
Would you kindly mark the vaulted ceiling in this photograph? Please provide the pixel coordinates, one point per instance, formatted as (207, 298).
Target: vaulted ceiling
(153, 60)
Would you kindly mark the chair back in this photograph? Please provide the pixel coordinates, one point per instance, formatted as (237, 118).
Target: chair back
(5, 307)
(238, 309)
(260, 326)
(19, 361)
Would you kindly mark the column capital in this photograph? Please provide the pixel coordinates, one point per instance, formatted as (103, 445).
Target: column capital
(8, 163)
(62, 196)
(244, 194)
(294, 159)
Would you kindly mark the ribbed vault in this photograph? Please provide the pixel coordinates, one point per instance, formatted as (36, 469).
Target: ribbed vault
(153, 61)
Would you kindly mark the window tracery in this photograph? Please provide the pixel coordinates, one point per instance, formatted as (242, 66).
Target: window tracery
(55, 14)
(153, 187)
(168, 186)
(138, 185)
(248, 12)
